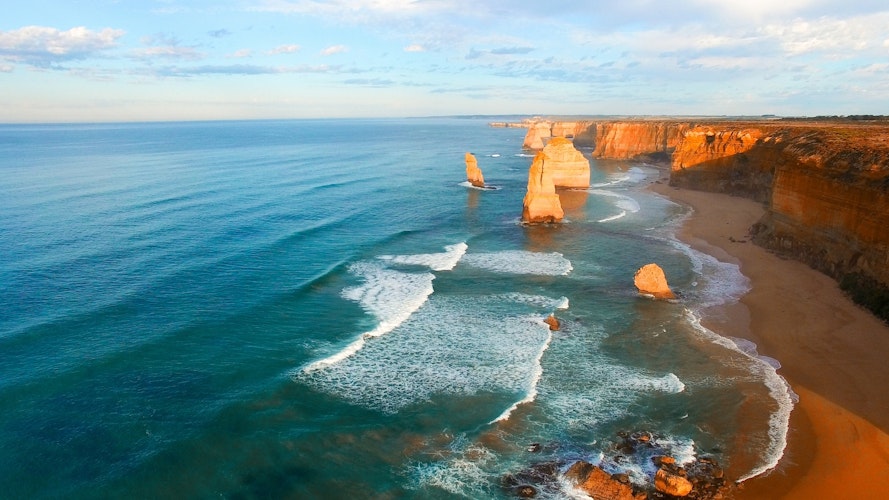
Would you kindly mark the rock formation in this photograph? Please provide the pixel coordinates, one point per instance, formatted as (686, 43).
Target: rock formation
(538, 134)
(473, 173)
(568, 166)
(553, 322)
(583, 133)
(541, 201)
(650, 279)
(671, 484)
(625, 140)
(598, 484)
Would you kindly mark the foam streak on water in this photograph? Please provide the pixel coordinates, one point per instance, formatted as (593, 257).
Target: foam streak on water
(779, 390)
(391, 296)
(521, 262)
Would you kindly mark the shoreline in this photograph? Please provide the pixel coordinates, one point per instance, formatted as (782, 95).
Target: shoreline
(833, 354)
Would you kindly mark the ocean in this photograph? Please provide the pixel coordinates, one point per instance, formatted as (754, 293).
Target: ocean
(326, 309)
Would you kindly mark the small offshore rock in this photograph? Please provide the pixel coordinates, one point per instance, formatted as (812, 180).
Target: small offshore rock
(650, 279)
(526, 491)
(553, 322)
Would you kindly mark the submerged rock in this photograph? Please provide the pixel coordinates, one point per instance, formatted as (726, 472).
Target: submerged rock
(473, 173)
(541, 202)
(650, 279)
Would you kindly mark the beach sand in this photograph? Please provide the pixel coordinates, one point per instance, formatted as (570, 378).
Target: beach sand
(834, 354)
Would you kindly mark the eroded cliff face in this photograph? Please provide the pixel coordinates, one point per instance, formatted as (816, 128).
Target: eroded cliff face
(719, 159)
(826, 188)
(630, 139)
(541, 202)
(567, 165)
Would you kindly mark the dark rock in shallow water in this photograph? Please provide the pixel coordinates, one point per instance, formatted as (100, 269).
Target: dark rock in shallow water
(526, 491)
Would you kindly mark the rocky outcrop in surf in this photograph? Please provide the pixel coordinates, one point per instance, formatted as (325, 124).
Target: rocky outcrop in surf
(825, 186)
(637, 466)
(650, 280)
(473, 173)
(599, 484)
(567, 165)
(541, 204)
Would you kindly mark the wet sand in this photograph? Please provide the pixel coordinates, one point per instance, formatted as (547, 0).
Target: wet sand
(834, 354)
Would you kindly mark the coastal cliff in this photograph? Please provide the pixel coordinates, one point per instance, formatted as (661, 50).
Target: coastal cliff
(630, 139)
(825, 186)
(620, 140)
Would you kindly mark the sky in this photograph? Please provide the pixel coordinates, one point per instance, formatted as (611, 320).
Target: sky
(146, 60)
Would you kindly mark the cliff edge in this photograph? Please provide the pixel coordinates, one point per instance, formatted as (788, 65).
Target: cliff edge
(825, 187)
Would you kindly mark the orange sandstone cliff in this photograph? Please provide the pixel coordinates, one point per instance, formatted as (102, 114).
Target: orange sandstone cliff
(611, 139)
(541, 202)
(825, 186)
(629, 139)
(473, 173)
(567, 165)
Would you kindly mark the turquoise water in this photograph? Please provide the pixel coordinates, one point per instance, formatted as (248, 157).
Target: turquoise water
(324, 308)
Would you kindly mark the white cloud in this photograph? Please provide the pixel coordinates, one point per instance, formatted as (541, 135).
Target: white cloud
(416, 47)
(240, 54)
(334, 49)
(285, 49)
(43, 46)
(167, 52)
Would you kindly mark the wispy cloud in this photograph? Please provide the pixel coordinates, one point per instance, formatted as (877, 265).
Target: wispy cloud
(284, 49)
(167, 52)
(334, 49)
(237, 69)
(44, 46)
(416, 47)
(240, 54)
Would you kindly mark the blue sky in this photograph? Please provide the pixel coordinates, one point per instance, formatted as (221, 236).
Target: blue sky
(68, 60)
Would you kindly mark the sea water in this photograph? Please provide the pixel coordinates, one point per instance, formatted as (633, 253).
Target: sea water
(325, 309)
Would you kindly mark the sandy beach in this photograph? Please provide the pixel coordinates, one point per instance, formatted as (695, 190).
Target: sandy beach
(833, 353)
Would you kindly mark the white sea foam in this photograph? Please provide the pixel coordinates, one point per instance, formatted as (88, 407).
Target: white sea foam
(520, 262)
(538, 301)
(531, 393)
(626, 204)
(722, 282)
(452, 346)
(391, 296)
(464, 474)
(623, 213)
(779, 390)
(634, 175)
(486, 187)
(444, 261)
(669, 383)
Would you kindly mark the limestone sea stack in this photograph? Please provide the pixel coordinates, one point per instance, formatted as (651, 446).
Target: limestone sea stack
(650, 279)
(541, 201)
(473, 173)
(568, 166)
